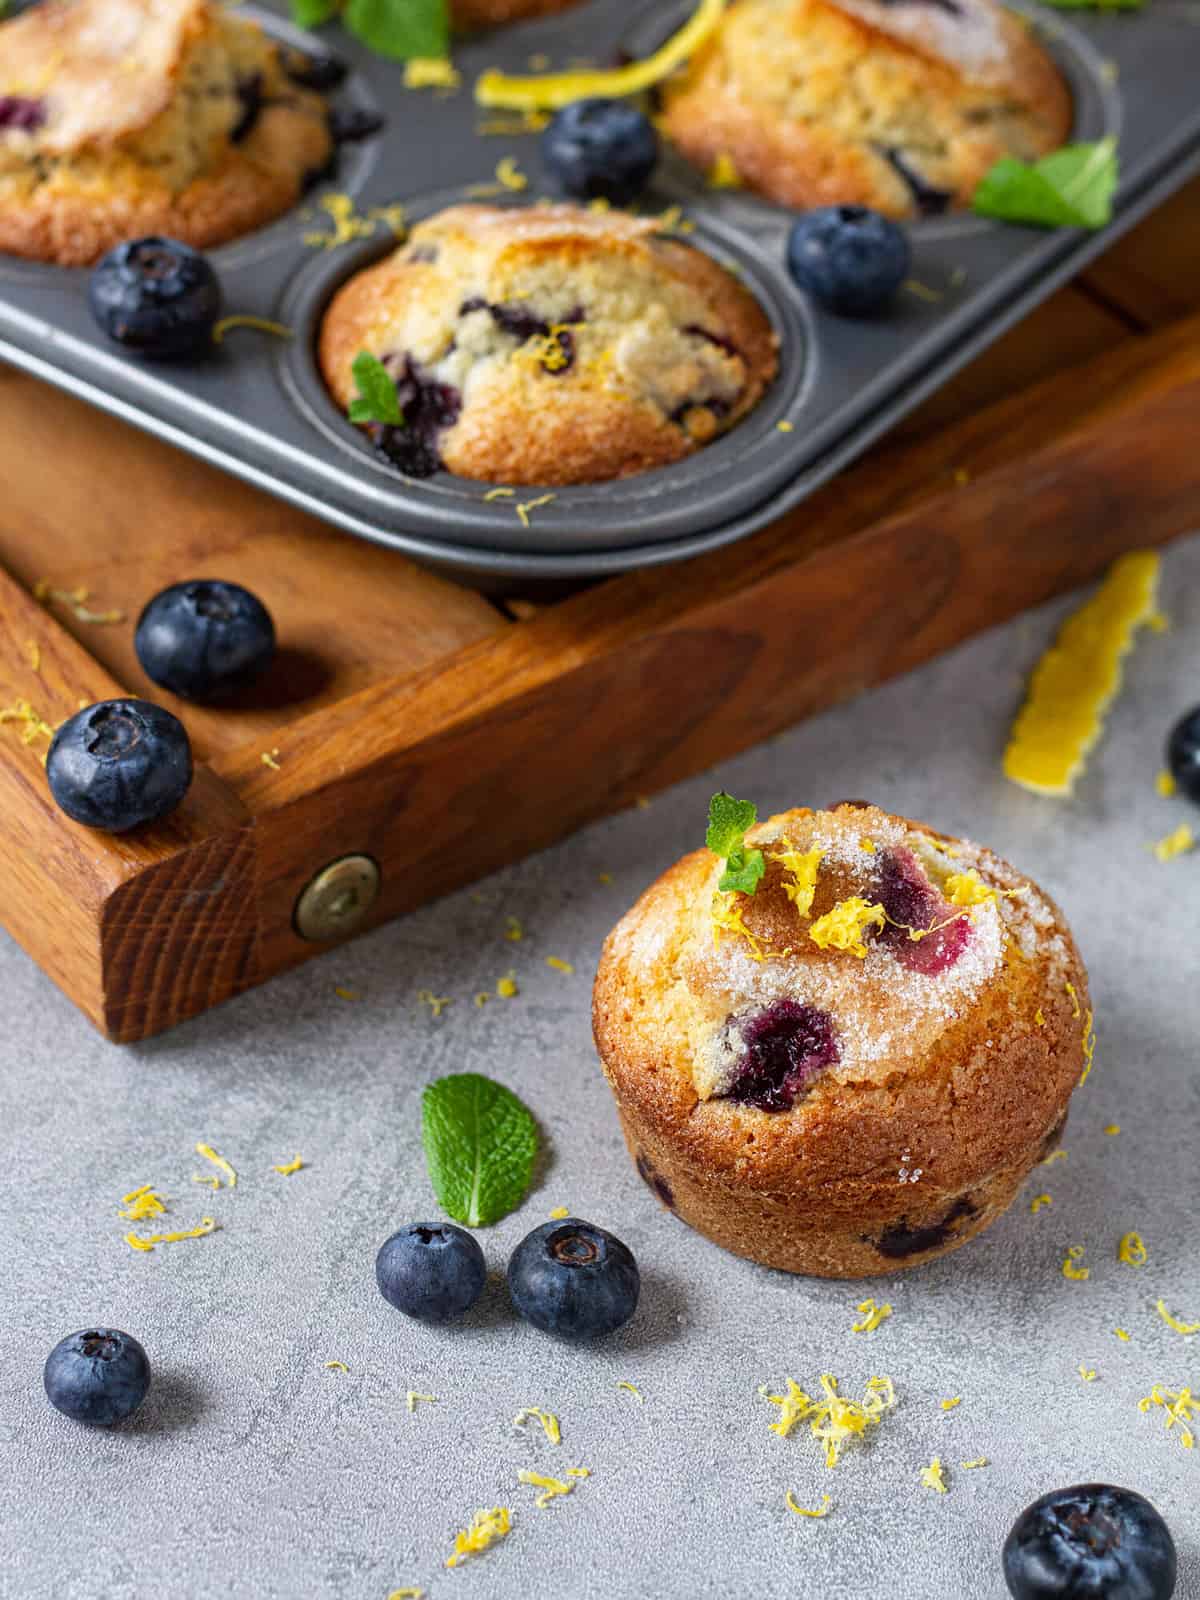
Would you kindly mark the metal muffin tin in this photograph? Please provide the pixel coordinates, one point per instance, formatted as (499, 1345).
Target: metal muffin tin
(259, 409)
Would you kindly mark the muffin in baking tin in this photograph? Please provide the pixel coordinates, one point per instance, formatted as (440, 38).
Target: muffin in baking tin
(901, 107)
(121, 118)
(853, 1069)
(549, 345)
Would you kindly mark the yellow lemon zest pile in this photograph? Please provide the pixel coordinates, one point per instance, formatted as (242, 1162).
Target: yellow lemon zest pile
(76, 602)
(1040, 1200)
(348, 224)
(1175, 844)
(833, 1419)
(723, 174)
(552, 91)
(413, 1398)
(1071, 1268)
(727, 918)
(218, 1161)
(623, 1383)
(931, 1476)
(1174, 1322)
(549, 1422)
(1077, 679)
(1180, 1406)
(803, 1511)
(286, 1168)
(801, 867)
(967, 889)
(142, 1203)
(1132, 1251)
(873, 1315)
(486, 1528)
(147, 1241)
(431, 72)
(33, 725)
(506, 987)
(844, 926)
(1088, 1374)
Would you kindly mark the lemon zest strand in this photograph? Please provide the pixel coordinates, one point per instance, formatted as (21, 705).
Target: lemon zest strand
(218, 1161)
(485, 1529)
(147, 1241)
(1132, 1251)
(873, 1315)
(1185, 1328)
(931, 1476)
(1071, 1268)
(802, 1511)
(549, 1422)
(1180, 1406)
(286, 1168)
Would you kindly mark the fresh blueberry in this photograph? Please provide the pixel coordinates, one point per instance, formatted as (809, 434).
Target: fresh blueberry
(100, 1375)
(156, 297)
(1092, 1542)
(432, 1271)
(574, 1280)
(1183, 754)
(850, 259)
(600, 150)
(204, 638)
(119, 764)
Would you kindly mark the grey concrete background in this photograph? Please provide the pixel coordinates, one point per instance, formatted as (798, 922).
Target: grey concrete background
(254, 1470)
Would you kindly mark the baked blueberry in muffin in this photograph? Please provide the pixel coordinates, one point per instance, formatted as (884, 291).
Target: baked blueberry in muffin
(852, 1068)
(901, 105)
(549, 345)
(125, 118)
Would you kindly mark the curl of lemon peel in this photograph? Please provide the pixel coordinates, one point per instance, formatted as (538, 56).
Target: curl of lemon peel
(1077, 679)
(552, 91)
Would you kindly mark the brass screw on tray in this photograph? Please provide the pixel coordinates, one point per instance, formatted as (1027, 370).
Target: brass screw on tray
(338, 898)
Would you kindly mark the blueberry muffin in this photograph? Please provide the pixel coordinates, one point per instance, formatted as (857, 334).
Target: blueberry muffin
(852, 1069)
(120, 118)
(549, 345)
(487, 13)
(902, 107)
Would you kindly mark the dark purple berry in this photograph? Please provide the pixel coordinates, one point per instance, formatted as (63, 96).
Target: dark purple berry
(600, 150)
(156, 297)
(204, 638)
(574, 1280)
(912, 903)
(852, 260)
(119, 764)
(431, 1271)
(786, 1046)
(1183, 754)
(99, 1375)
(1091, 1542)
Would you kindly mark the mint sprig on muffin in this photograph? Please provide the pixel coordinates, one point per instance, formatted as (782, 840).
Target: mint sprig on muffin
(729, 821)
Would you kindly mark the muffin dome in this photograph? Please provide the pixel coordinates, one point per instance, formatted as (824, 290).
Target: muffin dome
(852, 1069)
(900, 107)
(121, 118)
(550, 345)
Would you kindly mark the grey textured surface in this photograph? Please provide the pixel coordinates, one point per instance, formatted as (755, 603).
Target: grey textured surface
(256, 1471)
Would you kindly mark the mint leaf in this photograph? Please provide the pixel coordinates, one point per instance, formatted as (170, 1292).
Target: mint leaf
(400, 29)
(376, 400)
(480, 1143)
(728, 822)
(743, 871)
(1071, 188)
(312, 13)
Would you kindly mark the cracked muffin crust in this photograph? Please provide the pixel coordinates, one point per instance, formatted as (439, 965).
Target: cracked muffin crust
(842, 1103)
(121, 118)
(549, 345)
(902, 105)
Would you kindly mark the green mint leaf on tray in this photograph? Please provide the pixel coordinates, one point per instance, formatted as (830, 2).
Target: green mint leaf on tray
(312, 13)
(1071, 188)
(729, 820)
(376, 399)
(400, 29)
(480, 1144)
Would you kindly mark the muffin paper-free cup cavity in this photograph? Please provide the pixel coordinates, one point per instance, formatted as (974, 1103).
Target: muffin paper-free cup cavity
(257, 406)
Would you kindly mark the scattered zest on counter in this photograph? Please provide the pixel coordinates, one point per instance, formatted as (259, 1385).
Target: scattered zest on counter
(822, 1510)
(558, 1214)
(437, 1003)
(32, 724)
(431, 72)
(1122, 1335)
(623, 1383)
(269, 759)
(549, 1422)
(413, 1399)
(261, 324)
(142, 1203)
(1039, 1201)
(931, 1476)
(480, 1144)
(1164, 784)
(1070, 188)
(1180, 1406)
(1088, 1374)
(218, 1161)
(514, 932)
(551, 92)
(552, 1488)
(1077, 679)
(336, 1366)
(76, 602)
(833, 1419)
(969, 1466)
(1071, 1268)
(873, 1315)
(1177, 843)
(560, 965)
(286, 1168)
(1132, 1251)
(1055, 1155)
(407, 1594)
(1113, 1129)
(485, 1529)
(147, 1241)
(1186, 1328)
(949, 1405)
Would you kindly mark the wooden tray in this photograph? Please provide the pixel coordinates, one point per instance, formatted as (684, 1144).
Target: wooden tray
(430, 735)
